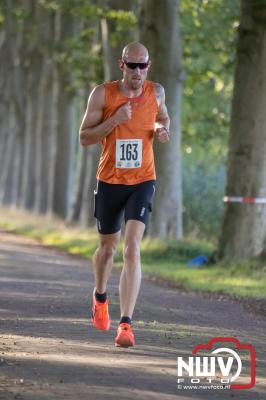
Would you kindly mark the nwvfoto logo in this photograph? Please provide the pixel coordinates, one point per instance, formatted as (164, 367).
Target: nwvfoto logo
(222, 362)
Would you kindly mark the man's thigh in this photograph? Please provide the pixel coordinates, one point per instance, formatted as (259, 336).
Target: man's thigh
(139, 203)
(109, 204)
(134, 232)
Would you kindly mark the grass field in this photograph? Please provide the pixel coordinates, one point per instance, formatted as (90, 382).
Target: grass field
(160, 259)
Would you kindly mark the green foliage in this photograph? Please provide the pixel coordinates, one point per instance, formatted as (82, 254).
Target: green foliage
(219, 279)
(124, 21)
(2, 16)
(209, 30)
(81, 55)
(209, 33)
(17, 12)
(78, 52)
(203, 191)
(155, 251)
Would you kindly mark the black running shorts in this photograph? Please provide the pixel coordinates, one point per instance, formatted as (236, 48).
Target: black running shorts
(113, 201)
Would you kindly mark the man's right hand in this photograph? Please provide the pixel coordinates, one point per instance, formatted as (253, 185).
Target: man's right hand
(93, 128)
(124, 113)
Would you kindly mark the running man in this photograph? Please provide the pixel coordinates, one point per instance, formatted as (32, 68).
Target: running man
(125, 116)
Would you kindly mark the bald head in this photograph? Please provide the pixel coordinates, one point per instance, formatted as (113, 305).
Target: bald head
(135, 64)
(135, 50)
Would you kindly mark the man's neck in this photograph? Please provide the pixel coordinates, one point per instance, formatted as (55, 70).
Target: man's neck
(128, 92)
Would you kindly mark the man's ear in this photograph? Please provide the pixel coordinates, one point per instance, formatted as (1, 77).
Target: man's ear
(120, 64)
(149, 64)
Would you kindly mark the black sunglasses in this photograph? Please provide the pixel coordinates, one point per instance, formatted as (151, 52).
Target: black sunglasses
(132, 65)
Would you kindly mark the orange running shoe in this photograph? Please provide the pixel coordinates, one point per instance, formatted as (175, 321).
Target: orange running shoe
(125, 336)
(100, 316)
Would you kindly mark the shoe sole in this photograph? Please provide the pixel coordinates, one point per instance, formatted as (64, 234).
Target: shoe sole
(124, 342)
(100, 328)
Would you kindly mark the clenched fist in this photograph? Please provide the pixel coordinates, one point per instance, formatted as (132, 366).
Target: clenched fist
(162, 134)
(124, 113)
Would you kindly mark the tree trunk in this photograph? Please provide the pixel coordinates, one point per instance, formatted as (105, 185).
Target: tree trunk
(64, 152)
(6, 173)
(32, 65)
(18, 98)
(65, 131)
(28, 180)
(44, 22)
(244, 226)
(11, 124)
(39, 132)
(46, 141)
(54, 118)
(5, 90)
(87, 204)
(75, 208)
(160, 32)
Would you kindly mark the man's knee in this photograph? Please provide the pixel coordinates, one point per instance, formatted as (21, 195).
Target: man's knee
(107, 250)
(132, 253)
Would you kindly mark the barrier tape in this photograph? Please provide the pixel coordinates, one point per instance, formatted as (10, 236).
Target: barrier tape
(251, 200)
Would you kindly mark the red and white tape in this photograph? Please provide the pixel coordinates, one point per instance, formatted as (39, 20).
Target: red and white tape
(237, 199)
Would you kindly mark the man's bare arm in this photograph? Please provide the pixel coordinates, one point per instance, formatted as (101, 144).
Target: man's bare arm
(93, 129)
(162, 124)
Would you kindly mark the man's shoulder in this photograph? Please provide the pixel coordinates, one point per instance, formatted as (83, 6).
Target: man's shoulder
(109, 84)
(104, 92)
(158, 89)
(98, 89)
(97, 95)
(110, 87)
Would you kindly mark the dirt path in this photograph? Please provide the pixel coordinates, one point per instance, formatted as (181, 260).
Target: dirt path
(49, 350)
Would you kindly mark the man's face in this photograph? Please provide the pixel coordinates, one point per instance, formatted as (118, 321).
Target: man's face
(134, 78)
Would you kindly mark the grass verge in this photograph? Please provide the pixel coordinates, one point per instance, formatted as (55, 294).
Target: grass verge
(160, 259)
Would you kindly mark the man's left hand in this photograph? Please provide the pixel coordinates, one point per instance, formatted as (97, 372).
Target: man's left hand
(162, 134)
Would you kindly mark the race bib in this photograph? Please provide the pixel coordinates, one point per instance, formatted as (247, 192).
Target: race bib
(128, 153)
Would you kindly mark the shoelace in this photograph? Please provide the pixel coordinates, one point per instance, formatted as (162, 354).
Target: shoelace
(125, 327)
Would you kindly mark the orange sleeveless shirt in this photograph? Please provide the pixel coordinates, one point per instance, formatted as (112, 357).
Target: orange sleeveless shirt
(127, 152)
